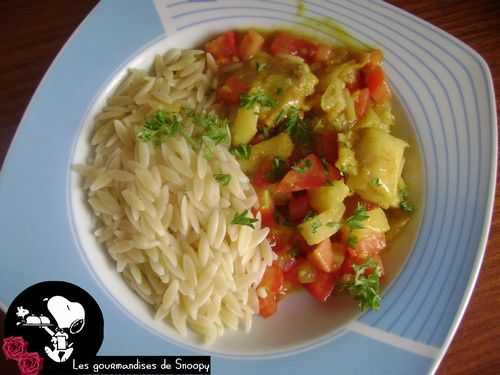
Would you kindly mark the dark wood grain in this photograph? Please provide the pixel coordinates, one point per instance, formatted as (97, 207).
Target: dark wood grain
(32, 32)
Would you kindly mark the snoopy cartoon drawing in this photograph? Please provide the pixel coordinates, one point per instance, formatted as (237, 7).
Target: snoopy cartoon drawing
(70, 320)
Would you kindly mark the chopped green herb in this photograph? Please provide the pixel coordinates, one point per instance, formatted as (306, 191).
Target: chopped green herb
(242, 152)
(259, 67)
(365, 288)
(249, 101)
(242, 219)
(210, 126)
(352, 241)
(376, 182)
(356, 222)
(279, 91)
(223, 179)
(303, 167)
(404, 203)
(278, 170)
(359, 215)
(310, 214)
(315, 225)
(159, 126)
(299, 130)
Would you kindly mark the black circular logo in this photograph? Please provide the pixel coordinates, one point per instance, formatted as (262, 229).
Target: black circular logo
(57, 319)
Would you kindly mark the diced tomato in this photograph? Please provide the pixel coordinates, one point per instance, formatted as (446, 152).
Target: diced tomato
(268, 305)
(266, 207)
(259, 137)
(323, 286)
(301, 244)
(327, 256)
(323, 53)
(332, 173)
(381, 93)
(369, 245)
(374, 76)
(361, 102)
(287, 260)
(351, 259)
(292, 274)
(250, 44)
(308, 174)
(272, 280)
(281, 237)
(231, 90)
(285, 43)
(376, 83)
(325, 145)
(298, 206)
(223, 48)
(358, 83)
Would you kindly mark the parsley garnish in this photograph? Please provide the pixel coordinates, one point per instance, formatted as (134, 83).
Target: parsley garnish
(315, 225)
(297, 128)
(160, 126)
(359, 215)
(223, 179)
(209, 130)
(355, 222)
(249, 101)
(365, 289)
(310, 214)
(242, 219)
(242, 152)
(278, 170)
(404, 203)
(376, 182)
(259, 67)
(303, 167)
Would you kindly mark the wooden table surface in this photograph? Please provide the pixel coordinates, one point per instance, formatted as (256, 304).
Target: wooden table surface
(32, 32)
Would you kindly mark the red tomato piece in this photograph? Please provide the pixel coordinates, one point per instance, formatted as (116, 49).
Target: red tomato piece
(351, 259)
(332, 173)
(307, 174)
(273, 278)
(369, 245)
(266, 207)
(291, 275)
(287, 260)
(325, 145)
(361, 102)
(231, 90)
(250, 44)
(287, 44)
(376, 83)
(327, 256)
(323, 286)
(268, 305)
(281, 238)
(358, 83)
(260, 178)
(352, 202)
(298, 206)
(323, 53)
(223, 48)
(381, 93)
